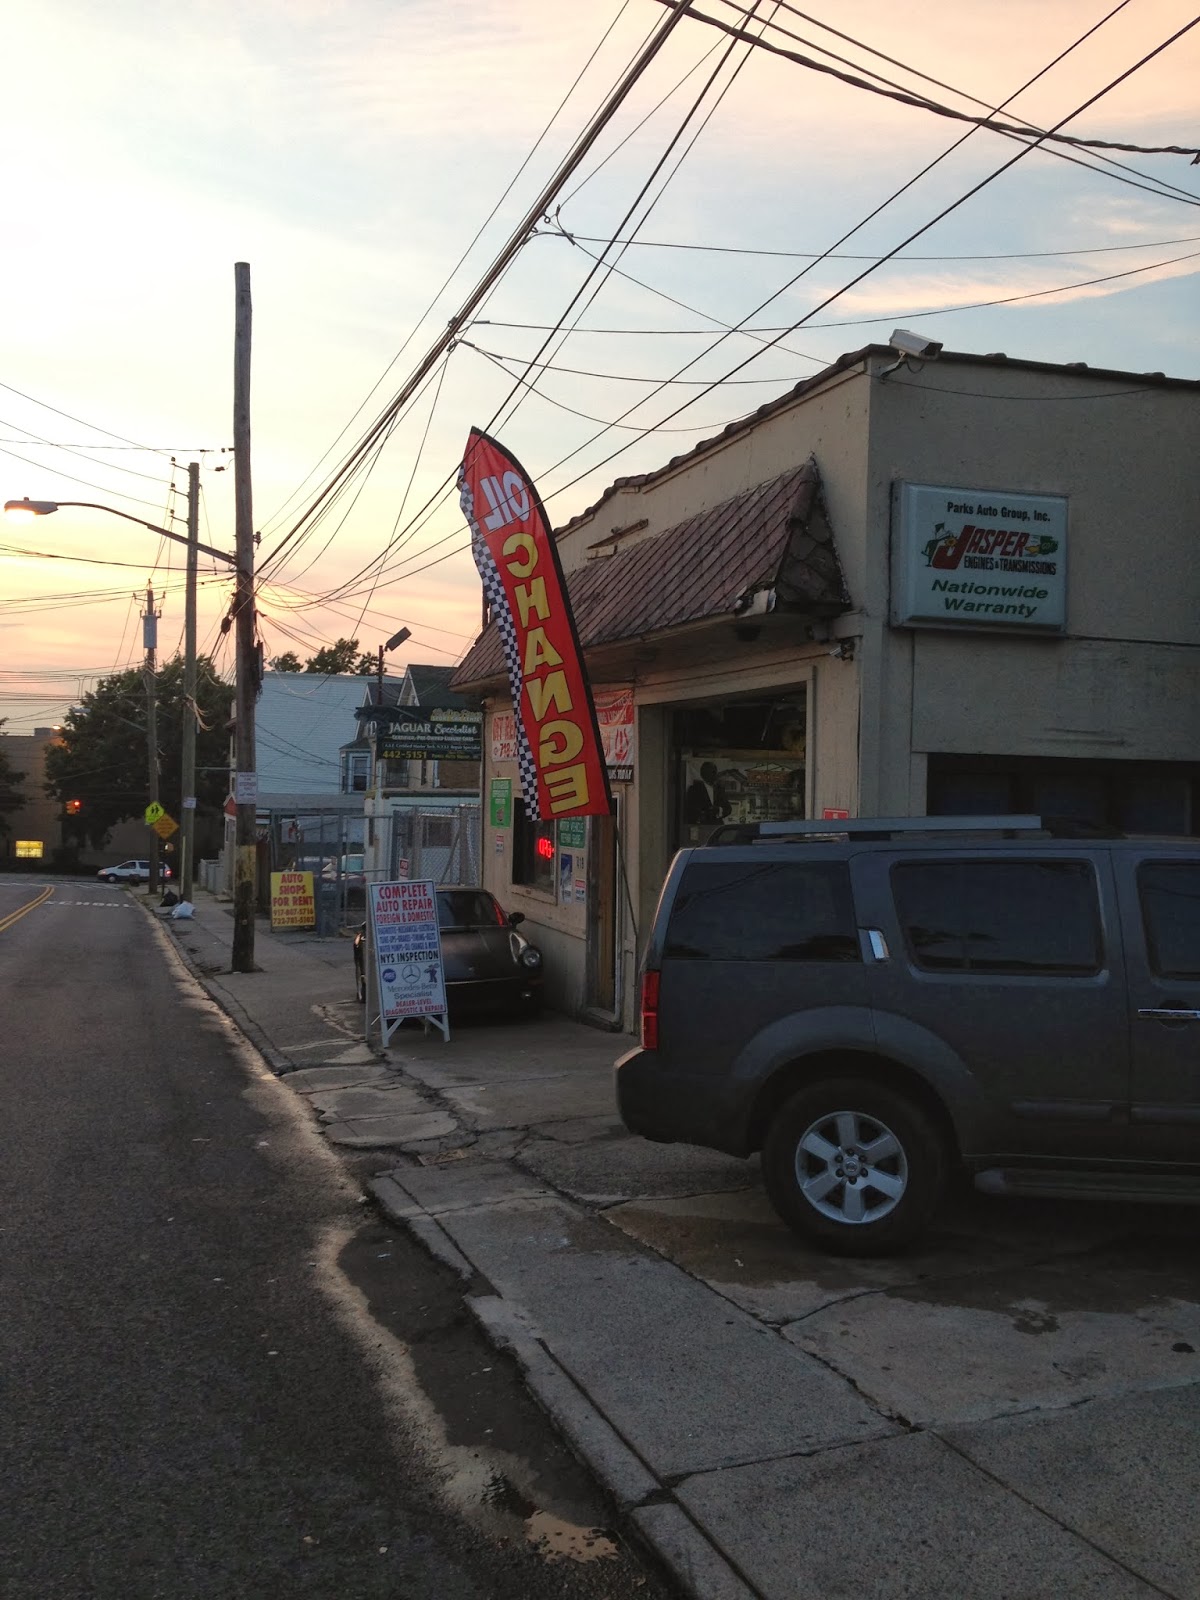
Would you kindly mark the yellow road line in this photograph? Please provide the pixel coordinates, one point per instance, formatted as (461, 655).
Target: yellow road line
(15, 916)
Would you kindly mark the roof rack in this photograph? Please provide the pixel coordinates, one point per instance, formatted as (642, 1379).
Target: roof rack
(903, 827)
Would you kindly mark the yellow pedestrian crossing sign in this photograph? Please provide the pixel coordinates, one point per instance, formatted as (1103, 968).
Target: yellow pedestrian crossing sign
(152, 813)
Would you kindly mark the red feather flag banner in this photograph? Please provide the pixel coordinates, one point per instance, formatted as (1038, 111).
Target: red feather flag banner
(559, 754)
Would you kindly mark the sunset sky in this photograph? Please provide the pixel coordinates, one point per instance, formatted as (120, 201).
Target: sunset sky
(353, 151)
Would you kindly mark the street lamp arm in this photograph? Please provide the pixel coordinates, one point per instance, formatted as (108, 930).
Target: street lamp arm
(43, 508)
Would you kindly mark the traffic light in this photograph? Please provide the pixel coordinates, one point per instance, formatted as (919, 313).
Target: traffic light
(74, 807)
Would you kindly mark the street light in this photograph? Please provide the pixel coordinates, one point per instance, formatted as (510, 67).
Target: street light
(393, 643)
(25, 510)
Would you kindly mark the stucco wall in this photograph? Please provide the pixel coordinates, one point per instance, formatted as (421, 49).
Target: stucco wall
(1127, 463)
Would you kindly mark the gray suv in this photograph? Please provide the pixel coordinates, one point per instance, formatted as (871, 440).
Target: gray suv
(875, 1007)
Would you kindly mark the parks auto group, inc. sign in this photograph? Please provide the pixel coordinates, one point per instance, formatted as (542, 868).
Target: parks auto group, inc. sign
(979, 558)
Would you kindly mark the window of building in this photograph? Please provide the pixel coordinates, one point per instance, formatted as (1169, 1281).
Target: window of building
(1170, 896)
(356, 773)
(1128, 796)
(1000, 916)
(29, 849)
(534, 855)
(763, 912)
(738, 761)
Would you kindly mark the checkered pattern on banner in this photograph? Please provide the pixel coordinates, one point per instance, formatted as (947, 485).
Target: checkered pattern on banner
(493, 588)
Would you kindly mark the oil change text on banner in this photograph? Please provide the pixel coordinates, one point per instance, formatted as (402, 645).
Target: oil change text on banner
(560, 757)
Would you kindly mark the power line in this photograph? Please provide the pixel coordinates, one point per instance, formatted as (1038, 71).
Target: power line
(923, 104)
(1020, 155)
(1133, 177)
(84, 482)
(610, 267)
(462, 258)
(515, 244)
(107, 432)
(841, 255)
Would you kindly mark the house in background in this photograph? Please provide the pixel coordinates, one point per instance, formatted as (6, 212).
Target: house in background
(35, 839)
(326, 805)
(304, 811)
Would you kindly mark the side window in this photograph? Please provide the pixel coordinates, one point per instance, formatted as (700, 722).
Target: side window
(762, 911)
(533, 851)
(1000, 916)
(1170, 896)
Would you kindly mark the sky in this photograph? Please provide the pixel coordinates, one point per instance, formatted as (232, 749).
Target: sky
(370, 159)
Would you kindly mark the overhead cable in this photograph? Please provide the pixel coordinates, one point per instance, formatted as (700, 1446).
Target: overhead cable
(516, 242)
(1021, 131)
(870, 216)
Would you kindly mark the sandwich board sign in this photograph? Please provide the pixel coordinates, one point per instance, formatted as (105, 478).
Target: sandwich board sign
(405, 951)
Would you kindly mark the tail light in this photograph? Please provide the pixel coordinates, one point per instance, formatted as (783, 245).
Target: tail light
(650, 1010)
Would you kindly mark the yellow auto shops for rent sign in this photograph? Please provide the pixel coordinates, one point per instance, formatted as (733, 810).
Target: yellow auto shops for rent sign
(292, 902)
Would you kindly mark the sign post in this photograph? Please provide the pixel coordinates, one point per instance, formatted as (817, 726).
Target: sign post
(405, 955)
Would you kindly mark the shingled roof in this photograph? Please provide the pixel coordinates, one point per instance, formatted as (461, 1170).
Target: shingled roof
(776, 536)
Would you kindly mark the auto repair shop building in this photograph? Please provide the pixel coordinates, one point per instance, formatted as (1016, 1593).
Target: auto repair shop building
(970, 585)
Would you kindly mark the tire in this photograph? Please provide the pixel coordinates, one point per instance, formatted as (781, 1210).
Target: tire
(854, 1167)
(111, 880)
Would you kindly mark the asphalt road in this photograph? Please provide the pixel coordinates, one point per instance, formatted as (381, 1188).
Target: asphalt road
(222, 1375)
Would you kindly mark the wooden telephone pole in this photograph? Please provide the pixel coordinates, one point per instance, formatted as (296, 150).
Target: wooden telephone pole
(245, 778)
(150, 641)
(187, 822)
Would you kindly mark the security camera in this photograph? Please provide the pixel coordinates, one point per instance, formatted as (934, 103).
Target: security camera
(914, 344)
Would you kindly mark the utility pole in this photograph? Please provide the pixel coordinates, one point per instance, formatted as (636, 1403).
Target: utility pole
(150, 640)
(245, 780)
(187, 822)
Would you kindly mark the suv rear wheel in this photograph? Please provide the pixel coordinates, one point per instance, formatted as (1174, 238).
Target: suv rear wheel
(853, 1166)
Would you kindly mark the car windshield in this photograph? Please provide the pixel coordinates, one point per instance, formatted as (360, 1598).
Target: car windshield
(468, 908)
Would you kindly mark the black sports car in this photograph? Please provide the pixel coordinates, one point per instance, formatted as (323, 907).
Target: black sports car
(488, 965)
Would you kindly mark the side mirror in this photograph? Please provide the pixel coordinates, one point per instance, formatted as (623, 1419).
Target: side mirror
(516, 918)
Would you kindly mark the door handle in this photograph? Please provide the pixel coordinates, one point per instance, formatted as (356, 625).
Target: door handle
(1169, 1014)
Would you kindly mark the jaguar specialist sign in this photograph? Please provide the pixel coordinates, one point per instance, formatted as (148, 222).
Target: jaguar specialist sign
(438, 734)
(978, 558)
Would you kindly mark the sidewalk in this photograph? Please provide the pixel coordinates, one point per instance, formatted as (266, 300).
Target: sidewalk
(715, 1400)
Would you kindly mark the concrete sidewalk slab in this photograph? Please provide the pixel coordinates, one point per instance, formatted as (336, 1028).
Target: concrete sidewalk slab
(906, 1517)
(390, 1098)
(687, 1392)
(436, 1190)
(1123, 1473)
(389, 1132)
(524, 1102)
(736, 1242)
(946, 1353)
(607, 1170)
(306, 1079)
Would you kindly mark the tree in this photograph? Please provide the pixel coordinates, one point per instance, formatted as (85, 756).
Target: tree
(102, 759)
(11, 798)
(341, 656)
(288, 662)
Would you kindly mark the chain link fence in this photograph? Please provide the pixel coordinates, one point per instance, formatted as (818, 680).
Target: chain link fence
(439, 843)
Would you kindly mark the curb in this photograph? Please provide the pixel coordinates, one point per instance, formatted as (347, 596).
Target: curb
(660, 1522)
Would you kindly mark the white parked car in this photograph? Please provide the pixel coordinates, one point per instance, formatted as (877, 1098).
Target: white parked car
(131, 872)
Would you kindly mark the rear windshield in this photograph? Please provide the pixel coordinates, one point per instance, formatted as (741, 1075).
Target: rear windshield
(763, 911)
(467, 908)
(1000, 916)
